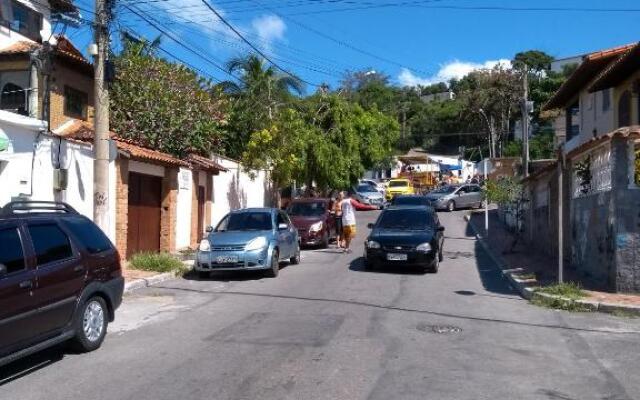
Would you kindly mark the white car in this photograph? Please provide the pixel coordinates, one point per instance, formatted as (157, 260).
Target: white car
(377, 185)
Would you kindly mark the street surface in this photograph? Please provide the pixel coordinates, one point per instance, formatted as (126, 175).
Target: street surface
(326, 329)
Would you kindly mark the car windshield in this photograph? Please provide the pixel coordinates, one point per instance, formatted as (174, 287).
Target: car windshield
(397, 183)
(311, 209)
(365, 188)
(410, 201)
(445, 189)
(413, 220)
(246, 221)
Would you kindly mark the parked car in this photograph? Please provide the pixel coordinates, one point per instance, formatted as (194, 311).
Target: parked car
(411, 200)
(453, 197)
(252, 239)
(313, 220)
(397, 187)
(406, 237)
(60, 279)
(366, 194)
(380, 187)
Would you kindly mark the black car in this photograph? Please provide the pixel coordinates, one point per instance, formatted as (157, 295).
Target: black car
(411, 200)
(60, 279)
(405, 236)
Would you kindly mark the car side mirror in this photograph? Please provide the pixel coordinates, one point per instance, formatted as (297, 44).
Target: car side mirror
(370, 225)
(283, 227)
(209, 229)
(440, 228)
(3, 270)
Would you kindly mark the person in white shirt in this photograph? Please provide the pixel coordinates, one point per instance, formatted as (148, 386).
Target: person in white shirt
(348, 223)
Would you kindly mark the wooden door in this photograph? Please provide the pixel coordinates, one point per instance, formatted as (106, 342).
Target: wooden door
(145, 202)
(201, 201)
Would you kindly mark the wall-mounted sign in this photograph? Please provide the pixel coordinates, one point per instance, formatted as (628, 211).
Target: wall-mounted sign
(185, 180)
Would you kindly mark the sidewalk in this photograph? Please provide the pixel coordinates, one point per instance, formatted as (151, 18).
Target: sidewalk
(136, 279)
(527, 269)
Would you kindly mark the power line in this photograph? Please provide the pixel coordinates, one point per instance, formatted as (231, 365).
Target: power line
(256, 49)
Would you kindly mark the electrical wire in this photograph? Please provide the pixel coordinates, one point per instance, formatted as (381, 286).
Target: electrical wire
(256, 49)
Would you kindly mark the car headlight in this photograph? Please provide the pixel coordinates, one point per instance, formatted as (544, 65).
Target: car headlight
(372, 244)
(317, 227)
(257, 243)
(424, 247)
(204, 245)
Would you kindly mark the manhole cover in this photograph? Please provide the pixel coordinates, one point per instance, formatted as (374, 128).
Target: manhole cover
(439, 329)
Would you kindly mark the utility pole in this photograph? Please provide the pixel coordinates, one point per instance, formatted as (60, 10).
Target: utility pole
(525, 121)
(560, 219)
(101, 119)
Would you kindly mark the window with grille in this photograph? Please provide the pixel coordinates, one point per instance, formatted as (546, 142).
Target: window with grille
(26, 21)
(75, 103)
(14, 99)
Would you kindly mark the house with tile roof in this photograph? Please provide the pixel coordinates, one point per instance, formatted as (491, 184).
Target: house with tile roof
(599, 164)
(157, 202)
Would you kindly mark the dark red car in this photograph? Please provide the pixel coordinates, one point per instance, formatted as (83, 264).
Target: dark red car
(60, 279)
(313, 219)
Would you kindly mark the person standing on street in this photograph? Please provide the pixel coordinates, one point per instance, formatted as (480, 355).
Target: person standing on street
(337, 214)
(348, 222)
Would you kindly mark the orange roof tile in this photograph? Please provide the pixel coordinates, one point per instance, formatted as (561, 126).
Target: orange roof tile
(83, 131)
(65, 50)
(618, 70)
(199, 162)
(592, 65)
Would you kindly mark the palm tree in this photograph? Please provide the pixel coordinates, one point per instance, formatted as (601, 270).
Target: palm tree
(261, 83)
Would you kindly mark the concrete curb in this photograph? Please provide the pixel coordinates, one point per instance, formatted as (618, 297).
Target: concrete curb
(152, 280)
(527, 288)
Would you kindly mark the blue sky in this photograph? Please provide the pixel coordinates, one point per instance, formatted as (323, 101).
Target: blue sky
(413, 41)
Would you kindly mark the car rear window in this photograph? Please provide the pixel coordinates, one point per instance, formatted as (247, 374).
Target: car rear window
(88, 234)
(410, 201)
(307, 209)
(398, 183)
(413, 219)
(11, 253)
(50, 243)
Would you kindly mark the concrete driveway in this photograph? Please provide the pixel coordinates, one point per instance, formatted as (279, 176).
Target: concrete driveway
(326, 329)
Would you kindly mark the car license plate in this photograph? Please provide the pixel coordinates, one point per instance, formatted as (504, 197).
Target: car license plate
(226, 260)
(396, 257)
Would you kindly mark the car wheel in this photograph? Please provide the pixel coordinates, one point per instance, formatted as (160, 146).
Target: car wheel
(451, 206)
(325, 240)
(366, 263)
(435, 265)
(275, 266)
(90, 325)
(295, 260)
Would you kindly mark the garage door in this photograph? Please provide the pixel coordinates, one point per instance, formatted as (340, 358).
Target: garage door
(145, 200)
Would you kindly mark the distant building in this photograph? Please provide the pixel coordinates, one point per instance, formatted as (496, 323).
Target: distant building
(442, 96)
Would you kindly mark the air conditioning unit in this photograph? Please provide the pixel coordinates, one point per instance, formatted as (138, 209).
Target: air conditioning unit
(60, 179)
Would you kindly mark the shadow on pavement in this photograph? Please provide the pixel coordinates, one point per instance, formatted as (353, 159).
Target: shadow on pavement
(31, 364)
(357, 265)
(490, 274)
(229, 276)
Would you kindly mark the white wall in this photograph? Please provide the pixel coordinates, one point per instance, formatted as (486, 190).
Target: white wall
(592, 117)
(184, 203)
(8, 37)
(235, 189)
(16, 176)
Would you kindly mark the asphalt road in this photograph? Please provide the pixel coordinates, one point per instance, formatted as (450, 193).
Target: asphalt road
(326, 329)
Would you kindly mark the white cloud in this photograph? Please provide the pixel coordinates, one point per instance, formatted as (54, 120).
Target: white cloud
(453, 69)
(269, 28)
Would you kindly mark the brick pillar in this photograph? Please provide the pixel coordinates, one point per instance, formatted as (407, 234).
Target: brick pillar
(122, 205)
(168, 214)
(208, 200)
(195, 236)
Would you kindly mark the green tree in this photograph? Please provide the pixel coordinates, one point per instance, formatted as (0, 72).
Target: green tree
(256, 98)
(163, 105)
(535, 61)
